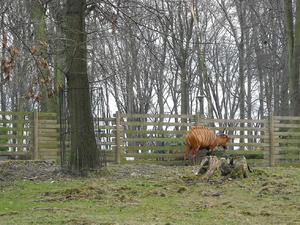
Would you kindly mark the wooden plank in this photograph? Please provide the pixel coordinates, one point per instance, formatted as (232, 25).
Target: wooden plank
(154, 139)
(49, 134)
(177, 151)
(287, 148)
(157, 116)
(287, 133)
(288, 141)
(24, 129)
(237, 128)
(208, 120)
(262, 122)
(13, 136)
(49, 139)
(14, 153)
(249, 136)
(15, 121)
(289, 157)
(53, 144)
(263, 129)
(157, 132)
(281, 125)
(15, 113)
(48, 145)
(249, 144)
(168, 124)
(181, 132)
(49, 126)
(16, 145)
(47, 114)
(287, 118)
(47, 131)
(171, 124)
(289, 151)
(48, 122)
(45, 151)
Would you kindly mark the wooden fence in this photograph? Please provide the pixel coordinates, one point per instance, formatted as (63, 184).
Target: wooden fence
(153, 137)
(285, 142)
(27, 135)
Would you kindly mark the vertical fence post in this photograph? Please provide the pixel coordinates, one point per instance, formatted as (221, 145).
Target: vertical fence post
(35, 135)
(19, 133)
(118, 138)
(271, 140)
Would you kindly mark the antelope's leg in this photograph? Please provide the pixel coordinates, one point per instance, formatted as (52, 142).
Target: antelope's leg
(194, 153)
(186, 152)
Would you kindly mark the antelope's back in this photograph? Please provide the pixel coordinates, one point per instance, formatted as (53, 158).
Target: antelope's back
(200, 136)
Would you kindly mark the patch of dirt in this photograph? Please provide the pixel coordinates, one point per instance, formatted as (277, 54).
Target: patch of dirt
(146, 170)
(13, 170)
(33, 170)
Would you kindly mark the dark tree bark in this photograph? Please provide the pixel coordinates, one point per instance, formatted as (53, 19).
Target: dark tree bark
(293, 42)
(84, 153)
(296, 65)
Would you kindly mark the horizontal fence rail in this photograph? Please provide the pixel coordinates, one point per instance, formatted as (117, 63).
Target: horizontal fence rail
(15, 134)
(286, 140)
(151, 137)
(154, 137)
(29, 135)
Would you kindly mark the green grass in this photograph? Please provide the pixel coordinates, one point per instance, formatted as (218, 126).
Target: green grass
(171, 196)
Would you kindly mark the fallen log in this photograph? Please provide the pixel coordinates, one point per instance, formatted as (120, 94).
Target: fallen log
(230, 168)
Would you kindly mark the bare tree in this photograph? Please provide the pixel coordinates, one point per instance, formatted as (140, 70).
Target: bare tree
(84, 154)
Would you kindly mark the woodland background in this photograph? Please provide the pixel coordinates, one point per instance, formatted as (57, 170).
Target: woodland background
(157, 56)
(239, 59)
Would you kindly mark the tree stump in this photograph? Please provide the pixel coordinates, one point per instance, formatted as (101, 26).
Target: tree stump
(230, 168)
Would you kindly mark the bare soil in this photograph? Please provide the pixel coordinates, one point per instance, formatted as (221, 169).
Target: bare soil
(14, 170)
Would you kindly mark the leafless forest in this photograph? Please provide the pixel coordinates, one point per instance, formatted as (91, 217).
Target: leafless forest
(161, 56)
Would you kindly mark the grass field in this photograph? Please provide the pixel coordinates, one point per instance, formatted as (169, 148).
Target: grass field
(148, 194)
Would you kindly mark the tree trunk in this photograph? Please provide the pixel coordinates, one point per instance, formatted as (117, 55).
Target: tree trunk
(293, 41)
(41, 40)
(231, 168)
(2, 89)
(241, 49)
(59, 58)
(84, 154)
(295, 100)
